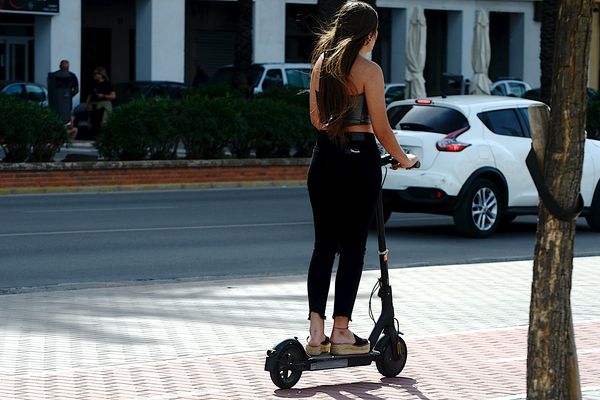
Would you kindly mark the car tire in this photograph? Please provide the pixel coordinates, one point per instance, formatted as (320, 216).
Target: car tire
(480, 211)
(593, 219)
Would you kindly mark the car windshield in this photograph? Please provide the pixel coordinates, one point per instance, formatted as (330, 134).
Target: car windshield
(223, 75)
(428, 118)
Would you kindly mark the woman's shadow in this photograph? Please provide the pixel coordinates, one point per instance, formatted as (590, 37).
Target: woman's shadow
(361, 390)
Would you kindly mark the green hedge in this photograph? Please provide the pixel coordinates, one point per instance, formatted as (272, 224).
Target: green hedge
(207, 125)
(139, 130)
(272, 125)
(29, 132)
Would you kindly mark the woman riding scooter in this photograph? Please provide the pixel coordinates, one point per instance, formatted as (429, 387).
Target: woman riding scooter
(347, 106)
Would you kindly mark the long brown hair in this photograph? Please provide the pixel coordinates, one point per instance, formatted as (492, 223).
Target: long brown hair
(340, 44)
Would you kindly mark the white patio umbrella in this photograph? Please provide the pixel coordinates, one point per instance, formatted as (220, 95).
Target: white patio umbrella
(480, 55)
(415, 55)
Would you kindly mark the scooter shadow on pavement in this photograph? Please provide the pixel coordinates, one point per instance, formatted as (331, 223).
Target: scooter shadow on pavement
(362, 390)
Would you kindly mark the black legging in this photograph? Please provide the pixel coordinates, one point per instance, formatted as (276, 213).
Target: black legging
(343, 184)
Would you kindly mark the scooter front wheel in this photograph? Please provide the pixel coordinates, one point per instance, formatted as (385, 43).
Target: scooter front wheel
(386, 363)
(285, 374)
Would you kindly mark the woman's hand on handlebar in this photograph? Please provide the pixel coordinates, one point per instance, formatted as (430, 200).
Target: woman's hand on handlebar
(412, 162)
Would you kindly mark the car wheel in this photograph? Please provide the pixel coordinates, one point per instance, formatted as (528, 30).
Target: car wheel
(593, 219)
(481, 210)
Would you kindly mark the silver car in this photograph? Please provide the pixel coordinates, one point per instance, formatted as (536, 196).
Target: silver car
(26, 90)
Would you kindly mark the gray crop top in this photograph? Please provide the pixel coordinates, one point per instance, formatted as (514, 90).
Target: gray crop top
(359, 115)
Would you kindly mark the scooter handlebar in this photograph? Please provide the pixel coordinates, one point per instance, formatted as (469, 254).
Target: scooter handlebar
(388, 159)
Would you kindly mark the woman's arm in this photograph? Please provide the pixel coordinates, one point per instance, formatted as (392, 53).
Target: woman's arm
(111, 96)
(315, 118)
(374, 94)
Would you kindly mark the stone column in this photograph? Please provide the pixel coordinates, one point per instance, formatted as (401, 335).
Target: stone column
(160, 40)
(398, 45)
(58, 37)
(269, 31)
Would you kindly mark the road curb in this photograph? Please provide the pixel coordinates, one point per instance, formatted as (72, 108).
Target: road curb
(150, 175)
(150, 187)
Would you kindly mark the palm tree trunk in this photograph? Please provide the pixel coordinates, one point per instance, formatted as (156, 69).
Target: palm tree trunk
(326, 9)
(243, 48)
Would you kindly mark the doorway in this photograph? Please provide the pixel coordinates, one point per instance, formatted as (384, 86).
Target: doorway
(95, 52)
(436, 62)
(16, 59)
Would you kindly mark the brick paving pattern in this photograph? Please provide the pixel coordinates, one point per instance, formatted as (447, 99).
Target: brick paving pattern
(465, 327)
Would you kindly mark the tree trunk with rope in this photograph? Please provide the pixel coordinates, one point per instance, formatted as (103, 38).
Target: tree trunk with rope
(552, 370)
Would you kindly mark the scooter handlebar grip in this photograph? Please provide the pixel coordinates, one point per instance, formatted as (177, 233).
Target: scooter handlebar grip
(388, 159)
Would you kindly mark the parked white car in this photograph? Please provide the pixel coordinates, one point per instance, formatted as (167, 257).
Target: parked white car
(472, 151)
(509, 87)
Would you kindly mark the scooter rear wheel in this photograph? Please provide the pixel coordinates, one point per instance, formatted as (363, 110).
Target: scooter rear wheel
(386, 365)
(285, 375)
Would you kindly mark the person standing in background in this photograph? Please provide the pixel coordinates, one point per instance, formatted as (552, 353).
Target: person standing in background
(64, 66)
(63, 86)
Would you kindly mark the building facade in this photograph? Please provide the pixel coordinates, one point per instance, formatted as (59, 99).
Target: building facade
(170, 39)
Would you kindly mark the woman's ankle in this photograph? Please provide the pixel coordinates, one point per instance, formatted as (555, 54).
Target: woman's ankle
(317, 327)
(340, 332)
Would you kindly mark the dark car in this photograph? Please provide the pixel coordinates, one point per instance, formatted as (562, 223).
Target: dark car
(126, 92)
(268, 76)
(535, 94)
(26, 90)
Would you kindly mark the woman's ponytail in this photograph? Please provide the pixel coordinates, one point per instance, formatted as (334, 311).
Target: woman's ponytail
(340, 44)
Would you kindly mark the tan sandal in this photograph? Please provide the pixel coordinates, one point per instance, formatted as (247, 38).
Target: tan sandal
(320, 349)
(360, 346)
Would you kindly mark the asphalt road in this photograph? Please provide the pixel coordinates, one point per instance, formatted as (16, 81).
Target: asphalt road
(99, 238)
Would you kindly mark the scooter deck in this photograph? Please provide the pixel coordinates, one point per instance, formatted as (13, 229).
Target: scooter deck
(329, 361)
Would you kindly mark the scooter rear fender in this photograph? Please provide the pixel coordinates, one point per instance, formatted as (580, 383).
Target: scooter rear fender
(271, 361)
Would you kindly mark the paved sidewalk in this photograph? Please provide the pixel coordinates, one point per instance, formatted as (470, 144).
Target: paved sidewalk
(465, 327)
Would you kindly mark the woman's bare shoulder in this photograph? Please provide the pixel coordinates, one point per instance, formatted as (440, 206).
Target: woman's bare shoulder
(366, 67)
(364, 71)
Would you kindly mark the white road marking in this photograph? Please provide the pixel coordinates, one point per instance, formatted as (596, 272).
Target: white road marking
(170, 228)
(74, 210)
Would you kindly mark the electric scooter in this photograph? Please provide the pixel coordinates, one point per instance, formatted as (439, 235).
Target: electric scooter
(288, 359)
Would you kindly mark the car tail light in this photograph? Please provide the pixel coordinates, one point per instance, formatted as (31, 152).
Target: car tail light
(449, 142)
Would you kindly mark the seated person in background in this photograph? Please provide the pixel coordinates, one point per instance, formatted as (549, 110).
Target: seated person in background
(71, 128)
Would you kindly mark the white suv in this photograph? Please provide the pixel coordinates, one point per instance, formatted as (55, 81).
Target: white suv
(472, 151)
(509, 87)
